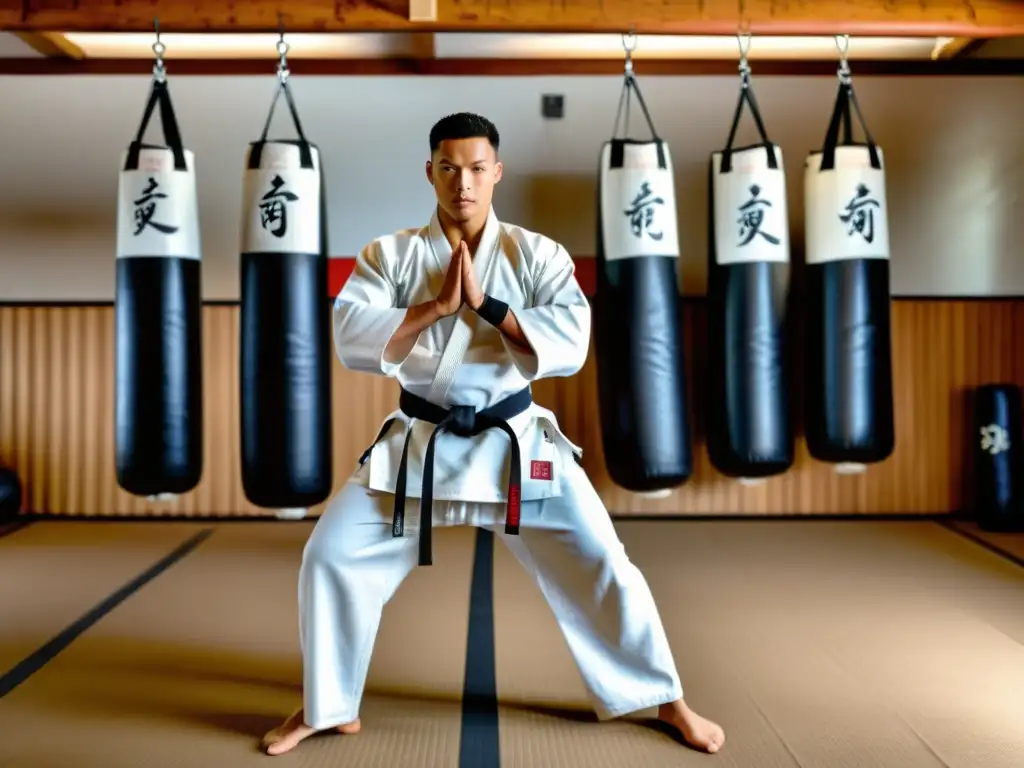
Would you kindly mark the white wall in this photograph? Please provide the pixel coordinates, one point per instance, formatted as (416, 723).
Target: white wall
(954, 148)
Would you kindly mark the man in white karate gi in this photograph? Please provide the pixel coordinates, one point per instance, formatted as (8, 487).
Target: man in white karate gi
(466, 312)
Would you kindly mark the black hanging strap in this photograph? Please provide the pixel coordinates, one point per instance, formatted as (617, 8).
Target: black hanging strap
(629, 86)
(159, 93)
(747, 97)
(846, 98)
(305, 150)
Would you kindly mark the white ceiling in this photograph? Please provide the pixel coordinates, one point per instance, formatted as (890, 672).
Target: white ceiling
(470, 45)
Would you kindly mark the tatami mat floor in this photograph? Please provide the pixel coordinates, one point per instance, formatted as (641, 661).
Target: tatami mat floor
(817, 644)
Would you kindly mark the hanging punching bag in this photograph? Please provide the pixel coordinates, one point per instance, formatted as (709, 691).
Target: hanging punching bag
(10, 495)
(637, 314)
(286, 425)
(849, 359)
(998, 498)
(749, 430)
(157, 309)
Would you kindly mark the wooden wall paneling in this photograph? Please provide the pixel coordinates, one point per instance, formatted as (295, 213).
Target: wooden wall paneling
(941, 351)
(57, 421)
(8, 431)
(1018, 342)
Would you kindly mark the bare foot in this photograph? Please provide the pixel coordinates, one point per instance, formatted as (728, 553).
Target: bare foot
(288, 735)
(698, 731)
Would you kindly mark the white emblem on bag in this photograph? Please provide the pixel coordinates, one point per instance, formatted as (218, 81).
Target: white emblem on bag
(638, 204)
(846, 209)
(751, 220)
(282, 212)
(157, 215)
(994, 439)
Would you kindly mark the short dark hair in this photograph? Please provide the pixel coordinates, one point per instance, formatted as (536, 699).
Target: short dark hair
(463, 125)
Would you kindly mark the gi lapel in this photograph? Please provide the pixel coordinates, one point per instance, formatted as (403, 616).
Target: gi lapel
(462, 331)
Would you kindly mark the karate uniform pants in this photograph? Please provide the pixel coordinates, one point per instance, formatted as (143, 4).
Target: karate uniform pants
(352, 566)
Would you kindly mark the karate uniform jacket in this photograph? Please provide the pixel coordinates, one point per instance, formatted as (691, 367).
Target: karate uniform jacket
(463, 360)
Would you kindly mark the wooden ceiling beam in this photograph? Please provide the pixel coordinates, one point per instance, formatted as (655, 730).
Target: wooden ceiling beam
(919, 18)
(51, 45)
(423, 11)
(958, 47)
(424, 45)
(425, 65)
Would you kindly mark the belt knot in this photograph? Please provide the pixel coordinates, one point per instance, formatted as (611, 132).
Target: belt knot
(462, 421)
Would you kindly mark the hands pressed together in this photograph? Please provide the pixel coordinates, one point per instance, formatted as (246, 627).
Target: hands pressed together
(460, 287)
(460, 284)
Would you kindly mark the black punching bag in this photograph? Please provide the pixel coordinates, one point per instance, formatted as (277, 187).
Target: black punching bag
(287, 432)
(158, 314)
(997, 498)
(749, 431)
(10, 495)
(849, 360)
(637, 318)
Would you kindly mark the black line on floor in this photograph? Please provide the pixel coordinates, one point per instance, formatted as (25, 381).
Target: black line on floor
(46, 653)
(479, 745)
(6, 529)
(984, 543)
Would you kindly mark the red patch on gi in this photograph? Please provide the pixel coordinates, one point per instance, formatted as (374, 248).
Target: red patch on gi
(540, 470)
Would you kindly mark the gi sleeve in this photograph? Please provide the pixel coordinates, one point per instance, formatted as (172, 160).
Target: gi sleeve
(557, 325)
(366, 316)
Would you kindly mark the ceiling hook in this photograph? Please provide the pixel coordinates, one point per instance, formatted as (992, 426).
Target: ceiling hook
(629, 45)
(743, 40)
(159, 70)
(282, 51)
(843, 73)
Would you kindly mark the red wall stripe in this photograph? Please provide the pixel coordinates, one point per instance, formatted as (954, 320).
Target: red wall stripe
(340, 267)
(338, 270)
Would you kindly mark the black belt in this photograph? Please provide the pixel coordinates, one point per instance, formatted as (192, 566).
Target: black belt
(464, 421)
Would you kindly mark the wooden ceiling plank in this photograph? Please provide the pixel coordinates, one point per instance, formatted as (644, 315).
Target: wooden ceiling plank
(308, 16)
(935, 18)
(395, 7)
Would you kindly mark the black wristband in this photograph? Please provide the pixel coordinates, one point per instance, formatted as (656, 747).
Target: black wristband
(493, 311)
